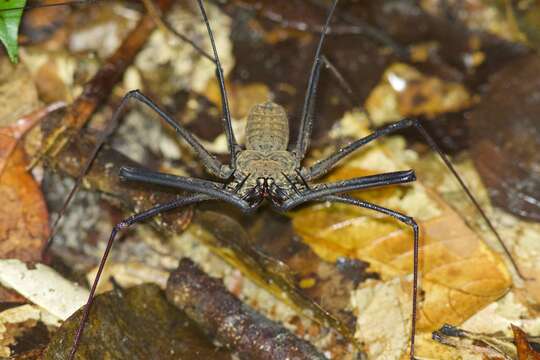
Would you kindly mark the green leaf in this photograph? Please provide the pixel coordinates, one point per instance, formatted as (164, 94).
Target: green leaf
(10, 17)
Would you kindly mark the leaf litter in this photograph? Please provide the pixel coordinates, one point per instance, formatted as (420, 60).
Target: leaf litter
(461, 294)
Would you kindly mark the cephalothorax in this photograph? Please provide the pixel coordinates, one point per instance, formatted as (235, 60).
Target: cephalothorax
(268, 168)
(265, 169)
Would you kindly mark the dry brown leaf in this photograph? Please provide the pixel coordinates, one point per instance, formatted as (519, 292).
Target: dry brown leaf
(17, 90)
(524, 349)
(460, 275)
(521, 237)
(23, 214)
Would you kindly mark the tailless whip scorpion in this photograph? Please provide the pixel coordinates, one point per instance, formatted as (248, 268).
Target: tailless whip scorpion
(268, 168)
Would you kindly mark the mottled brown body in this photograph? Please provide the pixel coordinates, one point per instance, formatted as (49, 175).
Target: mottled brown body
(266, 155)
(267, 128)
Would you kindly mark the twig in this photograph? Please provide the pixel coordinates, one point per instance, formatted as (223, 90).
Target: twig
(206, 301)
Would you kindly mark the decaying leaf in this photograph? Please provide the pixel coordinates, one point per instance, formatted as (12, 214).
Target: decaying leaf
(505, 138)
(521, 237)
(23, 215)
(18, 92)
(228, 239)
(137, 323)
(525, 351)
(18, 320)
(404, 91)
(387, 305)
(459, 273)
(43, 286)
(490, 345)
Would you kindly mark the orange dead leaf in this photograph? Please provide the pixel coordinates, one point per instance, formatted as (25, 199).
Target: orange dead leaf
(524, 349)
(23, 213)
(459, 274)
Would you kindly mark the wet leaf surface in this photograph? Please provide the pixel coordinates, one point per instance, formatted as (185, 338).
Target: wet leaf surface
(505, 138)
(137, 323)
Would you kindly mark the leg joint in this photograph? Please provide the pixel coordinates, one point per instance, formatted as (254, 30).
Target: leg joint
(136, 93)
(122, 225)
(408, 220)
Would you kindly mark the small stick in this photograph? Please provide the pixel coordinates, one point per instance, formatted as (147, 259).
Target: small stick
(98, 89)
(95, 92)
(206, 301)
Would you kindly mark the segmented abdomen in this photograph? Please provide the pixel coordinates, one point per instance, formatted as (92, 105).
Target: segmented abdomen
(267, 128)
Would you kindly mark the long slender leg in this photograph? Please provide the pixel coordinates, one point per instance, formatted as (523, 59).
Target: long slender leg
(322, 167)
(118, 227)
(233, 145)
(345, 86)
(210, 188)
(337, 74)
(340, 187)
(86, 166)
(209, 161)
(360, 27)
(164, 23)
(407, 220)
(304, 131)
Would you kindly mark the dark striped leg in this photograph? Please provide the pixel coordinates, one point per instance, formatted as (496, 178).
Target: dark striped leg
(117, 228)
(194, 185)
(320, 191)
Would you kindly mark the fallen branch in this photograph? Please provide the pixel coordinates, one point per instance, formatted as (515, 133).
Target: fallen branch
(206, 301)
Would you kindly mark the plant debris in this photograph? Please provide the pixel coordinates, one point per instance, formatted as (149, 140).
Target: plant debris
(333, 275)
(520, 347)
(223, 316)
(136, 323)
